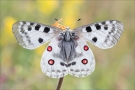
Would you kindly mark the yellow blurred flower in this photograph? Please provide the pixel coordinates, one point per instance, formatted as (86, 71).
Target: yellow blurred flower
(47, 7)
(39, 51)
(70, 12)
(8, 22)
(6, 33)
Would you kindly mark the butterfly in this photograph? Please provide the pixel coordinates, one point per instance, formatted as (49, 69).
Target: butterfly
(67, 52)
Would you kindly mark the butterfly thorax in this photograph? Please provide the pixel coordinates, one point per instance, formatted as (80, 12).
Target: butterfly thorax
(67, 45)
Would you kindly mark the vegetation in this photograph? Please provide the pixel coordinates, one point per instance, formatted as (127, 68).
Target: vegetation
(20, 68)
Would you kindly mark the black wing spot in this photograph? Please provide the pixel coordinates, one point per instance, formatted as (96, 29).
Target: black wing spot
(37, 27)
(97, 26)
(22, 30)
(53, 71)
(103, 23)
(64, 70)
(69, 65)
(24, 22)
(66, 65)
(111, 21)
(82, 70)
(40, 40)
(31, 23)
(71, 70)
(77, 70)
(88, 29)
(62, 64)
(46, 29)
(73, 63)
(106, 28)
(58, 71)
(94, 39)
(29, 28)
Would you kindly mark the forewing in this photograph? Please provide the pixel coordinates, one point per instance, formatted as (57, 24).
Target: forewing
(51, 65)
(31, 35)
(103, 34)
(84, 64)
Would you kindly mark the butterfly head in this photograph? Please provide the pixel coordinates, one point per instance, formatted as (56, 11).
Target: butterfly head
(67, 35)
(67, 28)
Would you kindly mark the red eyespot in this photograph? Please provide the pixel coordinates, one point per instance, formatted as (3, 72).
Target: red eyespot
(49, 48)
(84, 61)
(51, 62)
(76, 38)
(86, 48)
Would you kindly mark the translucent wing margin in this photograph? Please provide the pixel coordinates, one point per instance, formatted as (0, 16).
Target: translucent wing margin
(103, 34)
(31, 35)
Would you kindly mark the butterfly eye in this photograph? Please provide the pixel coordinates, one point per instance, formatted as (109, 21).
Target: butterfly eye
(60, 37)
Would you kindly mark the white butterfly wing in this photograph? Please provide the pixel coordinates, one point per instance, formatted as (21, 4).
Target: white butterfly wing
(84, 64)
(103, 34)
(32, 35)
(50, 63)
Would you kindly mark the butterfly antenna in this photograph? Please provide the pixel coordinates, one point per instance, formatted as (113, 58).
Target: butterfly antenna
(79, 19)
(75, 22)
(56, 19)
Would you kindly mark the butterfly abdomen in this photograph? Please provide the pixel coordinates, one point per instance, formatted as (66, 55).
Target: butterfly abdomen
(67, 45)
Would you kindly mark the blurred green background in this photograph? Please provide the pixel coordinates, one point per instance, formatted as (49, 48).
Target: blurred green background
(20, 68)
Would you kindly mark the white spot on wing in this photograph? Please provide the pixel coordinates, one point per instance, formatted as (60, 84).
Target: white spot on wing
(107, 22)
(28, 23)
(21, 23)
(84, 30)
(51, 31)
